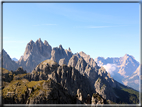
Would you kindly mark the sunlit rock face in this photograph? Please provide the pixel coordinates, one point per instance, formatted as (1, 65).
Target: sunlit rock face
(35, 53)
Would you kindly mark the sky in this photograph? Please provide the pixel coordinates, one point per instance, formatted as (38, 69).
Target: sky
(98, 29)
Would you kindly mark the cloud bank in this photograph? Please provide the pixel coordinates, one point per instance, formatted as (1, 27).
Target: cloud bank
(110, 68)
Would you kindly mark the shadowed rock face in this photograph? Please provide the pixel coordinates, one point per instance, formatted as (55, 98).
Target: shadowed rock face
(62, 88)
(93, 74)
(73, 61)
(68, 77)
(35, 53)
(50, 83)
(37, 92)
(8, 63)
(60, 53)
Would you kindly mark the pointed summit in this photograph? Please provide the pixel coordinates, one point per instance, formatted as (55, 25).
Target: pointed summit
(31, 41)
(69, 49)
(46, 43)
(39, 41)
(60, 46)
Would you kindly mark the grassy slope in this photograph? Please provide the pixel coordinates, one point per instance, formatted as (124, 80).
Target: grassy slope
(127, 96)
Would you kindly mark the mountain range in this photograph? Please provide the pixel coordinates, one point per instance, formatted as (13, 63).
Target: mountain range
(42, 62)
(125, 69)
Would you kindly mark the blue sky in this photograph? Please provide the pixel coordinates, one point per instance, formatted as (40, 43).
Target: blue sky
(98, 29)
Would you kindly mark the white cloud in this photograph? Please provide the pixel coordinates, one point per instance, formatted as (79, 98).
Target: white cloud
(110, 68)
(125, 82)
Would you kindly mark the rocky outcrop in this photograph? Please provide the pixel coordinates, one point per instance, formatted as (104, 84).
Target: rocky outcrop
(73, 61)
(7, 76)
(79, 97)
(97, 99)
(60, 53)
(68, 77)
(93, 74)
(105, 90)
(50, 83)
(88, 59)
(20, 70)
(62, 61)
(35, 53)
(40, 92)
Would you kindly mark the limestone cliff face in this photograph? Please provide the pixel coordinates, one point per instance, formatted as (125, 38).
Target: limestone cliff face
(60, 53)
(104, 89)
(93, 73)
(8, 63)
(88, 59)
(68, 77)
(62, 61)
(35, 53)
(73, 61)
(50, 83)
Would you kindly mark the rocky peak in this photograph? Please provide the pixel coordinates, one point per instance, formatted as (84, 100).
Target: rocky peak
(31, 42)
(73, 61)
(35, 53)
(20, 71)
(46, 43)
(81, 65)
(60, 47)
(60, 53)
(69, 49)
(39, 42)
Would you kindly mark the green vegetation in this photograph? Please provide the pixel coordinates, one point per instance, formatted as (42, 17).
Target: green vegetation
(50, 62)
(7, 76)
(5, 71)
(127, 96)
(19, 87)
(19, 76)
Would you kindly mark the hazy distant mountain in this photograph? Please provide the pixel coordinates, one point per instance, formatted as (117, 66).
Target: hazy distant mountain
(133, 80)
(35, 53)
(119, 68)
(14, 59)
(8, 63)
